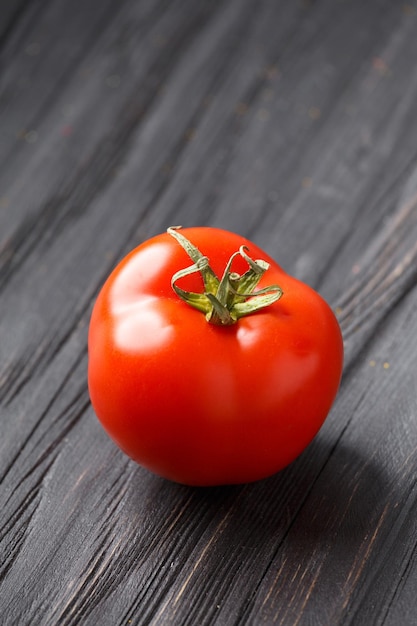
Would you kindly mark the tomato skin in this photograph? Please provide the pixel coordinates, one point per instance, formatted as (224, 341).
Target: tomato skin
(202, 404)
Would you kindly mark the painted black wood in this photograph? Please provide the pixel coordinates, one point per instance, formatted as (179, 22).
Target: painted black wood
(293, 123)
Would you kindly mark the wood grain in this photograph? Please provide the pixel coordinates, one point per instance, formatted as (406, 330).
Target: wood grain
(292, 123)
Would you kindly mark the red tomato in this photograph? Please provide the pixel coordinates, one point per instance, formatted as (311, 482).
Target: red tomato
(203, 403)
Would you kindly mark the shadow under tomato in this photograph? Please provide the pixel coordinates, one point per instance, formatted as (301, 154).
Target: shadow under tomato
(328, 491)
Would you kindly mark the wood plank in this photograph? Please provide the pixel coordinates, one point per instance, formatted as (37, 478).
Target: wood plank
(293, 124)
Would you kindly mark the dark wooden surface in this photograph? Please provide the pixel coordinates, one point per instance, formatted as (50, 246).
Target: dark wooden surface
(295, 124)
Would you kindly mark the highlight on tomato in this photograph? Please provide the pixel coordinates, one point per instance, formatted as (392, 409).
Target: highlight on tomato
(208, 364)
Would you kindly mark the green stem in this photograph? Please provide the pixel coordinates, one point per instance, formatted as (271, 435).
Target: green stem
(227, 300)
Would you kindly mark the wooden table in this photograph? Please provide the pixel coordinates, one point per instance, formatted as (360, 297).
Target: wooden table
(294, 124)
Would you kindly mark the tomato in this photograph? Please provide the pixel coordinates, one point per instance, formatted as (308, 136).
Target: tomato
(199, 397)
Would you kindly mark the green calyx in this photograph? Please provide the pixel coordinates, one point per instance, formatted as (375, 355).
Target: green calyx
(226, 300)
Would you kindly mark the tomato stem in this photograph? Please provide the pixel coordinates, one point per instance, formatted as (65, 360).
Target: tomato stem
(226, 300)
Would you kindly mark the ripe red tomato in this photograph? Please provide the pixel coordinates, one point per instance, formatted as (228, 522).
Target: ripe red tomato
(202, 403)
